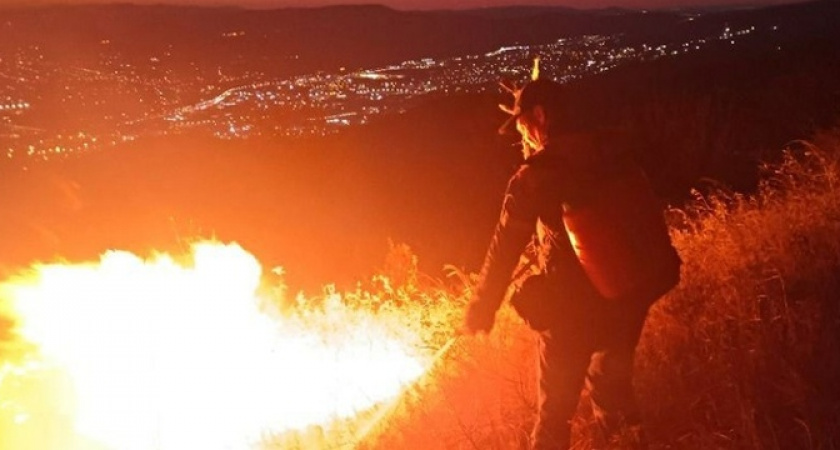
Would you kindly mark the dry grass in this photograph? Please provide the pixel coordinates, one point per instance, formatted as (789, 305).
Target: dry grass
(743, 354)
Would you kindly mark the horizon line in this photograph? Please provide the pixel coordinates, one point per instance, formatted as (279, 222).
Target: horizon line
(749, 4)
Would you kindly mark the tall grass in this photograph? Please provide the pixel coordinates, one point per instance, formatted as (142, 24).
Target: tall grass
(743, 354)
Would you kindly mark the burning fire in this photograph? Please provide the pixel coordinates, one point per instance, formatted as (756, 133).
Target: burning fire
(161, 354)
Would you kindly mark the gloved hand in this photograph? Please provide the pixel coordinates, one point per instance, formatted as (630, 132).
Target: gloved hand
(479, 318)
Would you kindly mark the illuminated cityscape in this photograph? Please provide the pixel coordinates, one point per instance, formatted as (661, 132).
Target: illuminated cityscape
(50, 109)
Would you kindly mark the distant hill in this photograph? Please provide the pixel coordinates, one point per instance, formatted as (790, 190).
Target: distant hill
(292, 40)
(295, 40)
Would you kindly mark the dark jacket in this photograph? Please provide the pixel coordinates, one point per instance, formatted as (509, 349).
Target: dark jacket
(533, 209)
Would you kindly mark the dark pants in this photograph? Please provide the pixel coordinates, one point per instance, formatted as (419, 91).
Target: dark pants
(593, 343)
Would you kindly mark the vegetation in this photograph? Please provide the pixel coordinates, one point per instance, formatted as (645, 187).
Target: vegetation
(742, 355)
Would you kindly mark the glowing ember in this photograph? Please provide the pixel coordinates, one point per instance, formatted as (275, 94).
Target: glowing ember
(136, 354)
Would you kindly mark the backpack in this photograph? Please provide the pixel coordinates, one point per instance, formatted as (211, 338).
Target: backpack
(617, 229)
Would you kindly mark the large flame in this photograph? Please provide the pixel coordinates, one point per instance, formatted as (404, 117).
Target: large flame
(157, 354)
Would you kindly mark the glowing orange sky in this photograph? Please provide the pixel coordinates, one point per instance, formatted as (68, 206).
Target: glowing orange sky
(422, 4)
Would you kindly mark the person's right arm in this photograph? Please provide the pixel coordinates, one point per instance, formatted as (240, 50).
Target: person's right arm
(516, 225)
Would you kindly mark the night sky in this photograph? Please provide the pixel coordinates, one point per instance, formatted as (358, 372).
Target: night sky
(421, 4)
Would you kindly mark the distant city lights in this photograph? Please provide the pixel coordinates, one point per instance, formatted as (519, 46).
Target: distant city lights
(117, 100)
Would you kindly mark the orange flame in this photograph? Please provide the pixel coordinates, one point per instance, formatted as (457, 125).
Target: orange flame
(535, 69)
(136, 354)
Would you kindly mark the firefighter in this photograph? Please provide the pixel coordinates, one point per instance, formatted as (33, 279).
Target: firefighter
(584, 338)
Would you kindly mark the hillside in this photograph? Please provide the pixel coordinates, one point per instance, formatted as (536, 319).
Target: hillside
(742, 140)
(742, 354)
